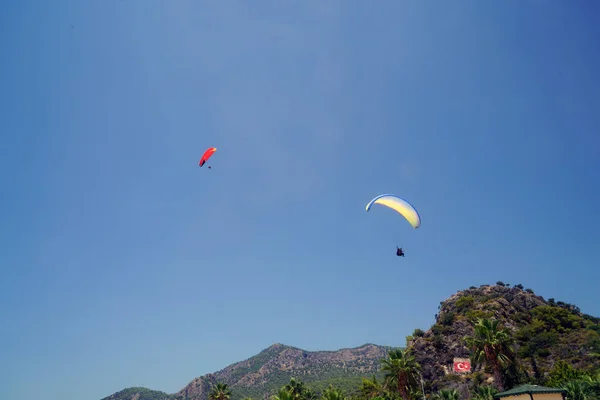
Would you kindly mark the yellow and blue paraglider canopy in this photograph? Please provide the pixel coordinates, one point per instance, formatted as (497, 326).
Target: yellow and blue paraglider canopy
(399, 205)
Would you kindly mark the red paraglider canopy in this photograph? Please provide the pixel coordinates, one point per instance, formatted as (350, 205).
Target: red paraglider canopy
(207, 154)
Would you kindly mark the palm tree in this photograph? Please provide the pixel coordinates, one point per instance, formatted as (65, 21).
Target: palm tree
(220, 391)
(416, 394)
(332, 393)
(309, 394)
(492, 344)
(484, 393)
(299, 391)
(401, 371)
(371, 388)
(446, 394)
(296, 388)
(283, 394)
(593, 382)
(578, 389)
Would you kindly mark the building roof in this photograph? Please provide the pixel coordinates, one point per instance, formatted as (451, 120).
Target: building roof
(528, 389)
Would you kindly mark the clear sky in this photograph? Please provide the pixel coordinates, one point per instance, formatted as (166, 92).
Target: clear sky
(123, 263)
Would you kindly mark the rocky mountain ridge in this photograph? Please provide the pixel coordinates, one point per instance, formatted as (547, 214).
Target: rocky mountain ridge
(273, 367)
(264, 373)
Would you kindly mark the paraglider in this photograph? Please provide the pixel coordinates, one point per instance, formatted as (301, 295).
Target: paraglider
(399, 251)
(402, 207)
(207, 154)
(399, 205)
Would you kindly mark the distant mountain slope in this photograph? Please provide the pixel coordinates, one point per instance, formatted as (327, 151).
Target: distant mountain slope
(139, 393)
(272, 368)
(265, 373)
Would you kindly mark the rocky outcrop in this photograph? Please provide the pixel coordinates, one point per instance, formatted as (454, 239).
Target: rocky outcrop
(520, 311)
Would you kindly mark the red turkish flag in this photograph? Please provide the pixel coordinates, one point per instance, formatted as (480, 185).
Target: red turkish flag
(462, 365)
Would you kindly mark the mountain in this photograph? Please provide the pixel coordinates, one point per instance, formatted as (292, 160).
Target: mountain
(265, 373)
(544, 333)
(272, 368)
(139, 393)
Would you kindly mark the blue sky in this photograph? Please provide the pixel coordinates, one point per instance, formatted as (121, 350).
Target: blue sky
(125, 264)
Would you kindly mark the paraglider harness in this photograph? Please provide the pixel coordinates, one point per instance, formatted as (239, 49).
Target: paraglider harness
(399, 252)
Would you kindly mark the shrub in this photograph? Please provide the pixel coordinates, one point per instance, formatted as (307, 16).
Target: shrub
(438, 341)
(447, 318)
(451, 378)
(520, 317)
(592, 327)
(464, 303)
(473, 315)
(592, 319)
(543, 353)
(478, 378)
(562, 373)
(593, 342)
(558, 319)
(418, 332)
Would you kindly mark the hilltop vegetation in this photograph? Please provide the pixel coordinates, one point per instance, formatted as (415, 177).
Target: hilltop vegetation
(511, 335)
(140, 393)
(538, 334)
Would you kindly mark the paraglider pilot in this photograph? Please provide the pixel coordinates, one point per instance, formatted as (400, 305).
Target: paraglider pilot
(399, 251)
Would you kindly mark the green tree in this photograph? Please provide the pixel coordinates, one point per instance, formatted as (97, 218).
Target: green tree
(371, 388)
(309, 394)
(446, 394)
(299, 390)
(401, 371)
(562, 372)
(296, 388)
(593, 382)
(418, 332)
(484, 392)
(535, 341)
(332, 393)
(578, 390)
(492, 344)
(220, 391)
(283, 394)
